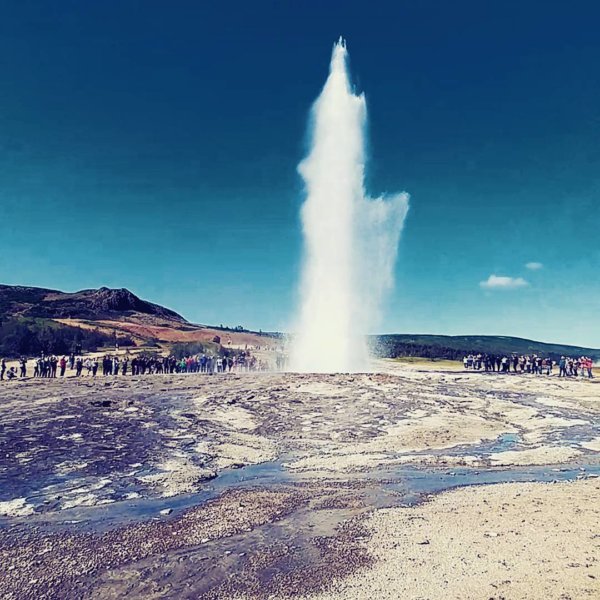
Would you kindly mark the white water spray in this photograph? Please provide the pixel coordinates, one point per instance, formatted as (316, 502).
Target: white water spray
(350, 240)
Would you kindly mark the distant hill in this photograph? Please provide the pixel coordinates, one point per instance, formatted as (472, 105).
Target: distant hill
(35, 320)
(31, 318)
(456, 346)
(103, 303)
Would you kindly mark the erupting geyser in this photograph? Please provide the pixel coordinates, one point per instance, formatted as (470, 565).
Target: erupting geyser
(350, 240)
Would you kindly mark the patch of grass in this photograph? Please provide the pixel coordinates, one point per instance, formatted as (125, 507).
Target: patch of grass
(432, 363)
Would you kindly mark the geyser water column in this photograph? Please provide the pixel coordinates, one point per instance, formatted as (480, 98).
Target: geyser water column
(350, 241)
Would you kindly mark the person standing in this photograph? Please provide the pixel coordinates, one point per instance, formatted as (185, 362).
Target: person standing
(2, 369)
(23, 365)
(63, 365)
(589, 366)
(562, 367)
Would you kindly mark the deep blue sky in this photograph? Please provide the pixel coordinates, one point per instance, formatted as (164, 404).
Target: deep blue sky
(153, 145)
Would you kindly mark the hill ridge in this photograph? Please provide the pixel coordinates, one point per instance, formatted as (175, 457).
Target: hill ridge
(93, 303)
(119, 309)
(452, 346)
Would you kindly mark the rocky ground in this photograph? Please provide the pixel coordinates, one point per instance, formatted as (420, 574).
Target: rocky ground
(290, 485)
(518, 540)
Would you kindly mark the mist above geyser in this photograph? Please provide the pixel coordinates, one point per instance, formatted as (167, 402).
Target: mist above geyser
(350, 240)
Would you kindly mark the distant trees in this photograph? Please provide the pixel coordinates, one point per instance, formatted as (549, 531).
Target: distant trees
(182, 349)
(392, 346)
(397, 349)
(23, 337)
(227, 328)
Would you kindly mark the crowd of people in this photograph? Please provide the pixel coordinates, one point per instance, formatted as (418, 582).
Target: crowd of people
(537, 365)
(53, 367)
(244, 361)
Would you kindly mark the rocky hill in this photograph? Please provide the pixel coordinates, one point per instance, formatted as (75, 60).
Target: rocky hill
(103, 303)
(36, 319)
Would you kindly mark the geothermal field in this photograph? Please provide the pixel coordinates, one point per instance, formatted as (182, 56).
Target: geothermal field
(404, 483)
(344, 478)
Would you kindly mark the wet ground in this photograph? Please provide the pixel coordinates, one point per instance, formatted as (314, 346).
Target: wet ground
(253, 485)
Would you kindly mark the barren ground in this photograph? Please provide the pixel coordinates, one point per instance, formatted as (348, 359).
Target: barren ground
(286, 485)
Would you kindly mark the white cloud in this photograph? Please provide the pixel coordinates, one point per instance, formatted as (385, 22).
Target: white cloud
(497, 282)
(534, 266)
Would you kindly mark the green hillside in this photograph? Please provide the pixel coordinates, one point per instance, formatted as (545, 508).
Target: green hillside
(454, 347)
